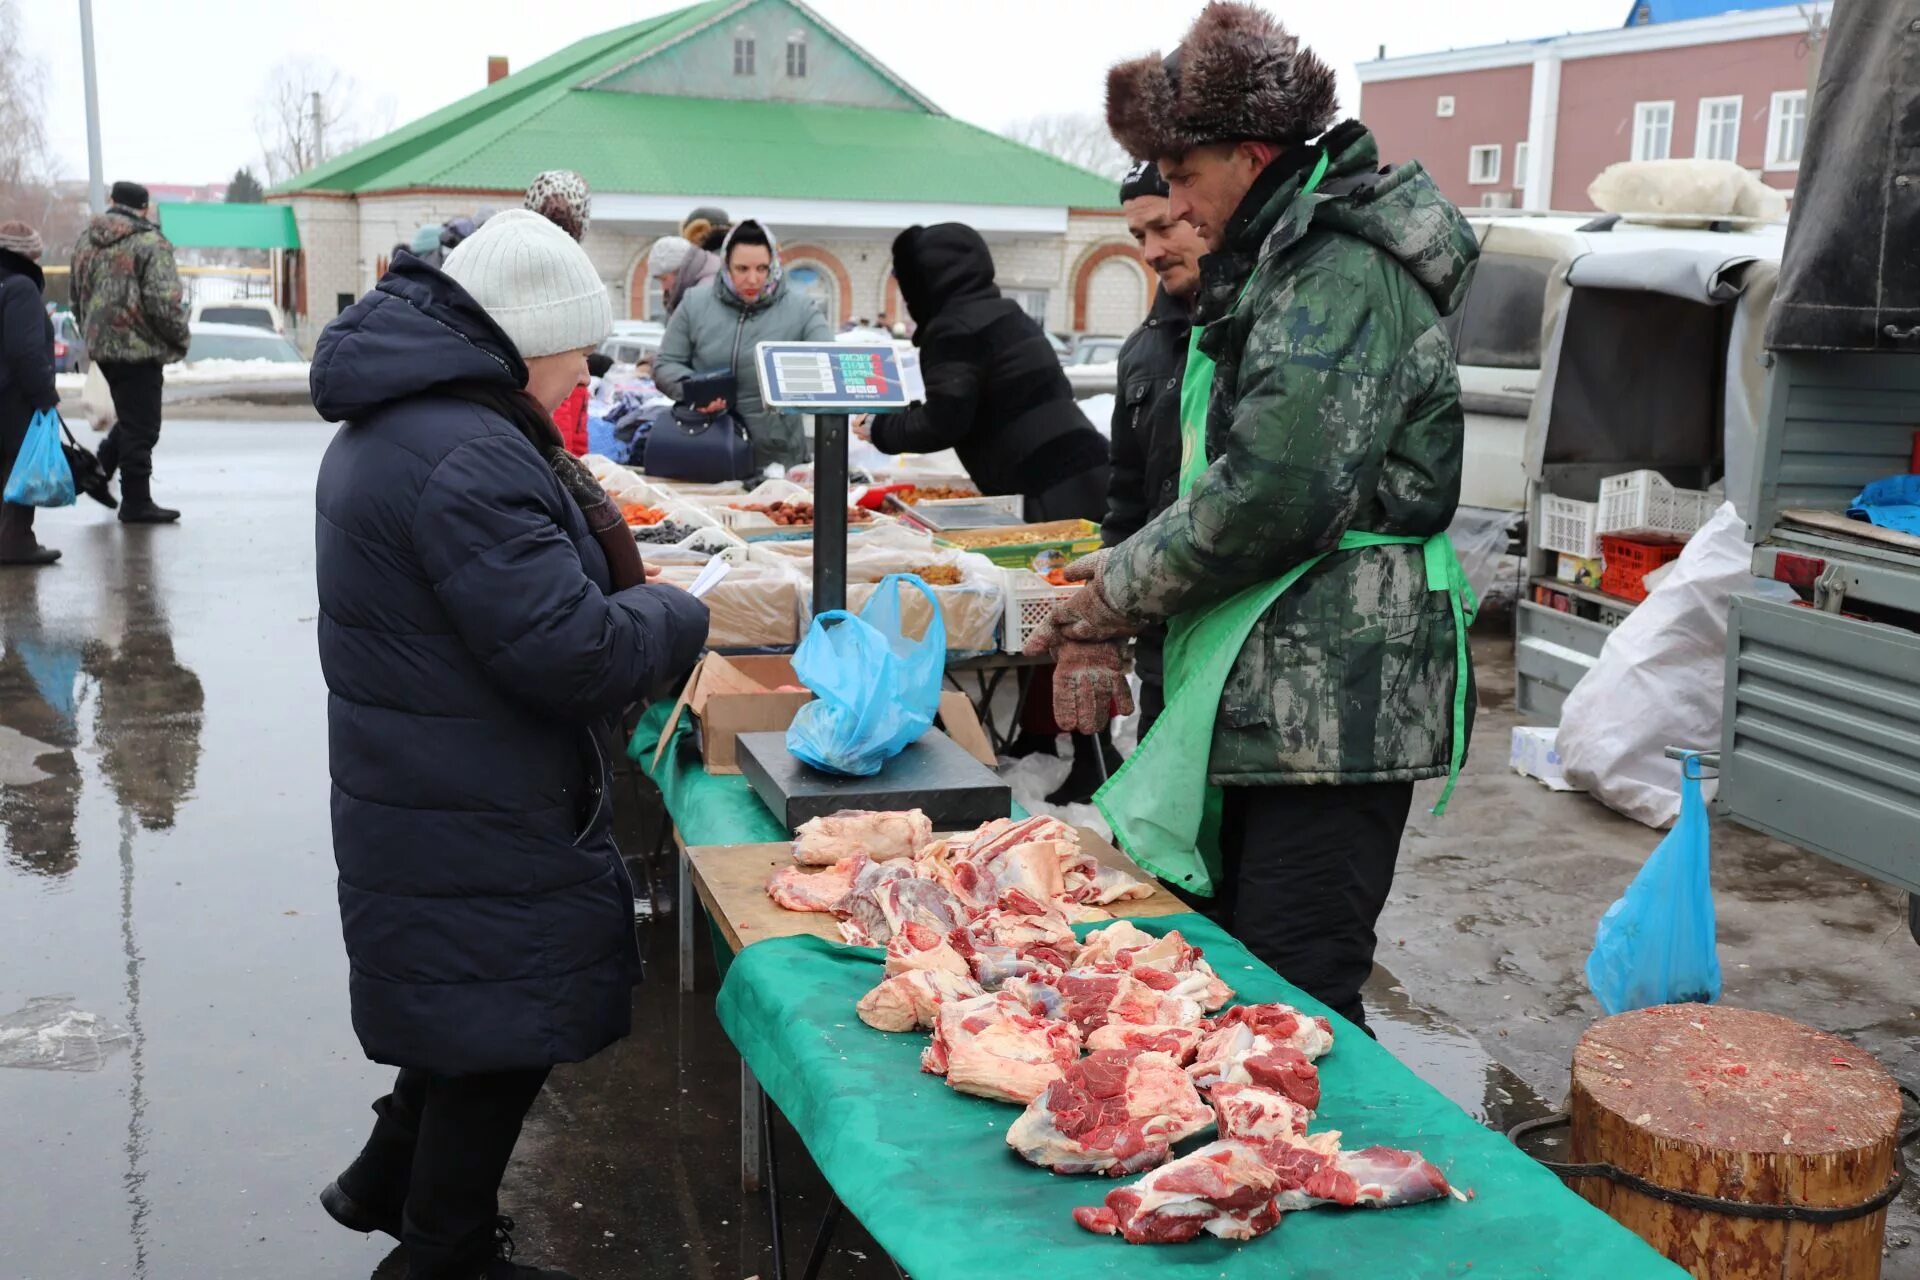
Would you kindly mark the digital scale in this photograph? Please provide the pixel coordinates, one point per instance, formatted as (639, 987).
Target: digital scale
(832, 380)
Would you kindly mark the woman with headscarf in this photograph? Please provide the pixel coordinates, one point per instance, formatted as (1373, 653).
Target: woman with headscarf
(26, 377)
(561, 197)
(718, 328)
(997, 397)
(483, 625)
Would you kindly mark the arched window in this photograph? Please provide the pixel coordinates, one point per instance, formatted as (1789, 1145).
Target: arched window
(743, 53)
(797, 56)
(815, 281)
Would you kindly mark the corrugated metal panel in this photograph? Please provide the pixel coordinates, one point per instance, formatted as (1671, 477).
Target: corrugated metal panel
(1821, 736)
(1835, 421)
(1552, 651)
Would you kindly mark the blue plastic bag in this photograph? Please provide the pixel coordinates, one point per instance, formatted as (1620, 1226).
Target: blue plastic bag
(1656, 944)
(875, 691)
(41, 476)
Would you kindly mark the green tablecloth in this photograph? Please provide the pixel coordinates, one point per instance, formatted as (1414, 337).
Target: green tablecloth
(928, 1171)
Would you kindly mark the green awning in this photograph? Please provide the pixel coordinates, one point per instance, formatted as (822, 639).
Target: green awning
(229, 226)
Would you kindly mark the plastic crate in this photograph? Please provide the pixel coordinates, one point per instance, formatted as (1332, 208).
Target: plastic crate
(1643, 504)
(1569, 526)
(1072, 537)
(1629, 561)
(1030, 601)
(1009, 504)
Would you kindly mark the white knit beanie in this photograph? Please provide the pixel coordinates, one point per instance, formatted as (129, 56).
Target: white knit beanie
(535, 281)
(667, 254)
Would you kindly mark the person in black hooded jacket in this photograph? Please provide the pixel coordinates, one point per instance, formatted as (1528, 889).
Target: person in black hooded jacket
(26, 378)
(479, 638)
(997, 397)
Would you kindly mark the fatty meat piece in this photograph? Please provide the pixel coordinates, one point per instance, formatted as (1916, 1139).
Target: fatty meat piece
(1027, 933)
(873, 912)
(911, 1000)
(1168, 963)
(1309, 1033)
(822, 841)
(1371, 1178)
(919, 946)
(991, 1047)
(1004, 833)
(1236, 1055)
(1249, 1113)
(798, 889)
(1094, 884)
(1095, 998)
(1224, 1189)
(1114, 1113)
(1178, 1043)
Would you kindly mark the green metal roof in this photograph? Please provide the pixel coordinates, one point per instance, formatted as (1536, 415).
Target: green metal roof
(537, 118)
(229, 226)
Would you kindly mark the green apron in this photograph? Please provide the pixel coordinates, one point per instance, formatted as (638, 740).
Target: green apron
(1170, 822)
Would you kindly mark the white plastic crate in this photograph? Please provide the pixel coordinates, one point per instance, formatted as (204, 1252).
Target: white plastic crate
(1568, 525)
(1030, 601)
(1643, 503)
(1011, 504)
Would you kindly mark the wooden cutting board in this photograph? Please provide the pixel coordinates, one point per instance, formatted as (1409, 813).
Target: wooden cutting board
(731, 880)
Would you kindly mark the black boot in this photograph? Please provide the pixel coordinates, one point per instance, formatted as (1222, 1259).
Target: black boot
(109, 454)
(356, 1215)
(137, 505)
(501, 1266)
(17, 543)
(1094, 760)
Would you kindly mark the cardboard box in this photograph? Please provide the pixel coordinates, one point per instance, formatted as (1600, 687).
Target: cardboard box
(729, 696)
(1533, 754)
(1581, 571)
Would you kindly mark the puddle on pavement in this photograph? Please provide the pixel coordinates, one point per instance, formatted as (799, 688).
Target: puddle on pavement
(1447, 1058)
(49, 1034)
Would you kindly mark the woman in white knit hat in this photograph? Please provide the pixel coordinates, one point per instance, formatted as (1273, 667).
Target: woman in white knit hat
(483, 624)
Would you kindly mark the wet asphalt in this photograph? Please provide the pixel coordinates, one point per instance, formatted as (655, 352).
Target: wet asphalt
(165, 868)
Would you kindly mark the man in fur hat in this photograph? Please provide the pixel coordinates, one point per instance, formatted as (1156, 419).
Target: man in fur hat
(1316, 660)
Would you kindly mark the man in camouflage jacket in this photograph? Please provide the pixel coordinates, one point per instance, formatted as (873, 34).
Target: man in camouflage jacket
(126, 295)
(1335, 406)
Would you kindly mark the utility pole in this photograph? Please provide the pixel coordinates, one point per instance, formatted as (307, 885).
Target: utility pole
(319, 132)
(96, 184)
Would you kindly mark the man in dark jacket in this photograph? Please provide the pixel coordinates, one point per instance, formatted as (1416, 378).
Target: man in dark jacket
(26, 377)
(476, 655)
(126, 295)
(1146, 413)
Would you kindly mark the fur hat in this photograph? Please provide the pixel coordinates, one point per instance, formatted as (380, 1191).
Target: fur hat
(1238, 76)
(18, 237)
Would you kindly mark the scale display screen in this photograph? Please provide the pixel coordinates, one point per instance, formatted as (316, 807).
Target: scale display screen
(837, 376)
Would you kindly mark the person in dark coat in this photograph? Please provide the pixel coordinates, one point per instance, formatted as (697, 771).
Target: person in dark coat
(1146, 413)
(478, 637)
(997, 397)
(26, 377)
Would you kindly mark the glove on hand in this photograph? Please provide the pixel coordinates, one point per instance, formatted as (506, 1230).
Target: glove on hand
(1090, 686)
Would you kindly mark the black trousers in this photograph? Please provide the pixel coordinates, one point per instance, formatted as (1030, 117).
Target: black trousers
(1306, 873)
(136, 392)
(438, 1151)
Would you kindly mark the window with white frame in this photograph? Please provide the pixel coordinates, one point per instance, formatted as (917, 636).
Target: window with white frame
(1443, 107)
(1483, 165)
(1652, 130)
(797, 56)
(743, 53)
(1717, 136)
(1522, 152)
(1787, 129)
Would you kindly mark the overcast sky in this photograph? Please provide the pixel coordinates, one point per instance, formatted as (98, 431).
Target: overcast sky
(179, 80)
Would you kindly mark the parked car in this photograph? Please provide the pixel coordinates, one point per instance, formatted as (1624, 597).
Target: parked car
(253, 313)
(69, 344)
(238, 342)
(1092, 348)
(1061, 347)
(633, 341)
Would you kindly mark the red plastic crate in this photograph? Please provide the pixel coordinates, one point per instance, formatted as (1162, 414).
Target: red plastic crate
(1630, 560)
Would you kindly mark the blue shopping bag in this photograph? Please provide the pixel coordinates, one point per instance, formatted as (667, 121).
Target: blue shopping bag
(1656, 944)
(41, 476)
(875, 690)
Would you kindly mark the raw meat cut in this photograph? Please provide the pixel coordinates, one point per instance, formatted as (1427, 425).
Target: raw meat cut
(1111, 884)
(1027, 934)
(798, 889)
(1253, 1114)
(1224, 1188)
(1310, 1034)
(1178, 1043)
(1165, 963)
(1114, 1113)
(823, 841)
(1371, 1178)
(1004, 833)
(919, 946)
(1236, 1055)
(992, 1047)
(873, 912)
(1095, 998)
(911, 1000)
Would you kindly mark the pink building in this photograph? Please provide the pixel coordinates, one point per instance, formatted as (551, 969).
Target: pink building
(1531, 123)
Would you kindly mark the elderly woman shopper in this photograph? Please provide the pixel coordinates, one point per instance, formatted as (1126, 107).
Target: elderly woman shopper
(26, 378)
(483, 624)
(717, 328)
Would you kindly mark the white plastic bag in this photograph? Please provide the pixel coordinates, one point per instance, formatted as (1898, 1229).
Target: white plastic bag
(1658, 682)
(96, 400)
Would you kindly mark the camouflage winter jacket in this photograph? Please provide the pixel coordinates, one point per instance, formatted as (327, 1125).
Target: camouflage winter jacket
(126, 292)
(1335, 406)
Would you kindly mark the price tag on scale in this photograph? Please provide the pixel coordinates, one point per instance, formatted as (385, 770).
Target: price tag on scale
(838, 377)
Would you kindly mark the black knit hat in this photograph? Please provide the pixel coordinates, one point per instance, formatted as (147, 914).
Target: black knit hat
(1143, 180)
(129, 195)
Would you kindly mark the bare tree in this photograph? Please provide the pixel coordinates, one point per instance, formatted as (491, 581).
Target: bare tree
(29, 189)
(1078, 137)
(307, 113)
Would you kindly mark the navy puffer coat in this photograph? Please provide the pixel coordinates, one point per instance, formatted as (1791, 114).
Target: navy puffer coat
(474, 653)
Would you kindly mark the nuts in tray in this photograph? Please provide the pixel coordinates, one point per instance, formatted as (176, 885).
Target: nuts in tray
(1014, 535)
(797, 512)
(938, 575)
(937, 493)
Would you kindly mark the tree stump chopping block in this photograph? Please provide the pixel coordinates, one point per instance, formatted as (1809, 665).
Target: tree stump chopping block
(1741, 1106)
